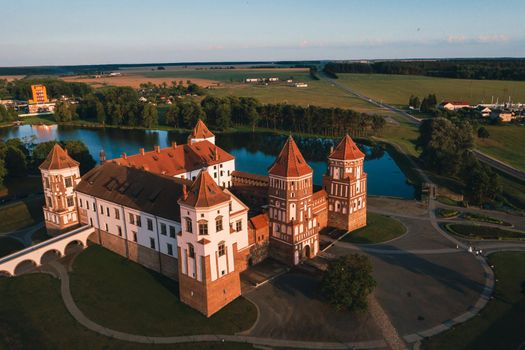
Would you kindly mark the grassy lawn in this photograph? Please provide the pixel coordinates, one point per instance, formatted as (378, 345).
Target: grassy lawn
(379, 228)
(446, 213)
(33, 316)
(500, 323)
(484, 218)
(9, 245)
(475, 232)
(506, 143)
(40, 235)
(20, 187)
(20, 214)
(125, 296)
(396, 89)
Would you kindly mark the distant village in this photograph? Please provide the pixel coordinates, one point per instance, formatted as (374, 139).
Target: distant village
(505, 112)
(267, 81)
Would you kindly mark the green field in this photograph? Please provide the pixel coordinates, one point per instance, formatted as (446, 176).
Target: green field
(125, 296)
(9, 245)
(380, 228)
(396, 89)
(20, 214)
(33, 316)
(500, 323)
(506, 143)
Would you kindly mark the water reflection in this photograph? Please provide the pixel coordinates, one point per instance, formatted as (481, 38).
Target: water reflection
(253, 152)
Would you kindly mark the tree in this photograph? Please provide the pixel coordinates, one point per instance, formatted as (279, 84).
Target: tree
(348, 281)
(149, 116)
(414, 102)
(224, 116)
(15, 162)
(483, 133)
(172, 115)
(190, 112)
(481, 183)
(64, 112)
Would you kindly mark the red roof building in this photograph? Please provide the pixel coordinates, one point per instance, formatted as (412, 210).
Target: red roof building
(347, 150)
(200, 133)
(204, 193)
(290, 162)
(58, 159)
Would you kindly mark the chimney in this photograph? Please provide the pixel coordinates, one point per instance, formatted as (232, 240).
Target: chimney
(157, 149)
(184, 192)
(216, 153)
(124, 156)
(174, 144)
(102, 156)
(141, 150)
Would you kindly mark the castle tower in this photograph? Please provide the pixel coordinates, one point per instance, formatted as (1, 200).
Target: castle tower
(207, 247)
(60, 175)
(294, 233)
(345, 183)
(201, 133)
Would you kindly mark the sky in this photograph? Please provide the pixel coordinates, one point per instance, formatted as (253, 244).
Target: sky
(66, 32)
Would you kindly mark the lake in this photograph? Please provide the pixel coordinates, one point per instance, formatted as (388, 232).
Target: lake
(253, 152)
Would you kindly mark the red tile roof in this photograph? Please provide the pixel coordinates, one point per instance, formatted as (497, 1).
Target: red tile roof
(259, 221)
(347, 150)
(58, 159)
(456, 103)
(204, 192)
(178, 159)
(134, 188)
(200, 131)
(290, 162)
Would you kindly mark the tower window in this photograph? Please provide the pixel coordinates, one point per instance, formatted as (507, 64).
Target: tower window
(46, 180)
(152, 243)
(238, 226)
(131, 219)
(189, 225)
(222, 249)
(117, 214)
(170, 249)
(172, 231)
(150, 224)
(191, 251)
(163, 229)
(203, 228)
(69, 182)
(218, 224)
(70, 201)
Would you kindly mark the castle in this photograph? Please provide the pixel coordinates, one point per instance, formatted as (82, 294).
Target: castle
(178, 210)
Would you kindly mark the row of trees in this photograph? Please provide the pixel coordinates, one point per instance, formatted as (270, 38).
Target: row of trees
(7, 114)
(20, 89)
(446, 146)
(221, 113)
(154, 92)
(427, 105)
(497, 69)
(112, 106)
(19, 158)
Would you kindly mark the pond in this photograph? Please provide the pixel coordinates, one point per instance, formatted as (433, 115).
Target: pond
(253, 152)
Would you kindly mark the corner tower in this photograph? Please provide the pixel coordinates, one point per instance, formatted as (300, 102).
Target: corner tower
(60, 175)
(207, 246)
(201, 133)
(294, 232)
(345, 184)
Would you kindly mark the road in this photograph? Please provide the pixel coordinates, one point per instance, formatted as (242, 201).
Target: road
(495, 163)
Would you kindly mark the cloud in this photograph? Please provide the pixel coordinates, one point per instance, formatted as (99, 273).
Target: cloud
(456, 38)
(497, 38)
(481, 39)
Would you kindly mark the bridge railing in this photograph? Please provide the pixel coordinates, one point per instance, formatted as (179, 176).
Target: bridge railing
(43, 244)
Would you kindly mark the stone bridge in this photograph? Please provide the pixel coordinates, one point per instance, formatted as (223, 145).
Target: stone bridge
(37, 254)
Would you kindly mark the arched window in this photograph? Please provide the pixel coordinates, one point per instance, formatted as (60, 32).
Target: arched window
(218, 224)
(191, 250)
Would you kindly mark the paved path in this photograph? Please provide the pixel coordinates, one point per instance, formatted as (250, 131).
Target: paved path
(24, 235)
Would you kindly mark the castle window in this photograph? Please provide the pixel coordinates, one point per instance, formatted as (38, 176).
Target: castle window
(238, 226)
(94, 207)
(150, 224)
(107, 228)
(69, 182)
(163, 229)
(203, 228)
(81, 204)
(170, 249)
(70, 201)
(172, 231)
(119, 229)
(134, 233)
(218, 224)
(191, 251)
(139, 221)
(131, 219)
(189, 225)
(46, 179)
(101, 209)
(230, 206)
(152, 243)
(48, 202)
(222, 249)
(107, 212)
(117, 214)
